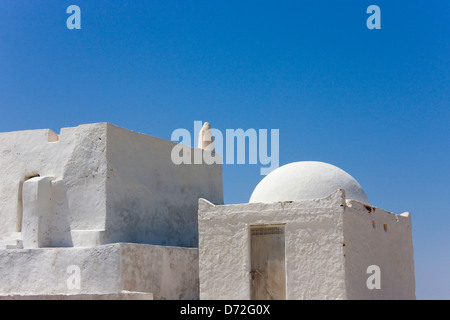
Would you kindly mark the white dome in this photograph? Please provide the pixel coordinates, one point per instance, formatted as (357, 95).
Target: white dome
(306, 180)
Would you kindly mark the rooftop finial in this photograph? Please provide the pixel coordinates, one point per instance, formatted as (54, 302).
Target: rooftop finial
(205, 137)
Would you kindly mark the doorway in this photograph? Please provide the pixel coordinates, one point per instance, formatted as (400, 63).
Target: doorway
(268, 264)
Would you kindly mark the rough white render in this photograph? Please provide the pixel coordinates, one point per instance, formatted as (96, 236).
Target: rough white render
(306, 180)
(314, 251)
(75, 163)
(373, 236)
(113, 271)
(148, 198)
(329, 245)
(97, 184)
(107, 200)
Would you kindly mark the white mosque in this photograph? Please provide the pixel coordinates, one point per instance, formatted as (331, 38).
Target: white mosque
(101, 212)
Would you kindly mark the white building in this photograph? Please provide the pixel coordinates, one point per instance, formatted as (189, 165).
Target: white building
(106, 200)
(303, 236)
(100, 212)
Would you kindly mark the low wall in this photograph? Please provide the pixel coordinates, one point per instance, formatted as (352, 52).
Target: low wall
(166, 272)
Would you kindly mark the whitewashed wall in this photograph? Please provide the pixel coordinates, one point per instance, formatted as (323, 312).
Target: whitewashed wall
(329, 246)
(165, 272)
(100, 184)
(150, 199)
(373, 236)
(76, 163)
(314, 250)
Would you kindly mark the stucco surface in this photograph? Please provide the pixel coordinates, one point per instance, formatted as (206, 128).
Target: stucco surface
(329, 245)
(76, 163)
(313, 239)
(373, 236)
(165, 272)
(150, 199)
(96, 184)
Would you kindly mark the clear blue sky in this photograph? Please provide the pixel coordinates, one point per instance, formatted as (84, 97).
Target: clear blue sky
(372, 102)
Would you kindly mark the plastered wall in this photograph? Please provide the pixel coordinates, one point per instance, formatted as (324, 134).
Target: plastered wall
(96, 184)
(329, 243)
(150, 199)
(74, 161)
(313, 244)
(374, 237)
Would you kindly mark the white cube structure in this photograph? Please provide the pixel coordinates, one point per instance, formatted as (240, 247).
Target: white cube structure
(300, 245)
(98, 184)
(106, 200)
(113, 271)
